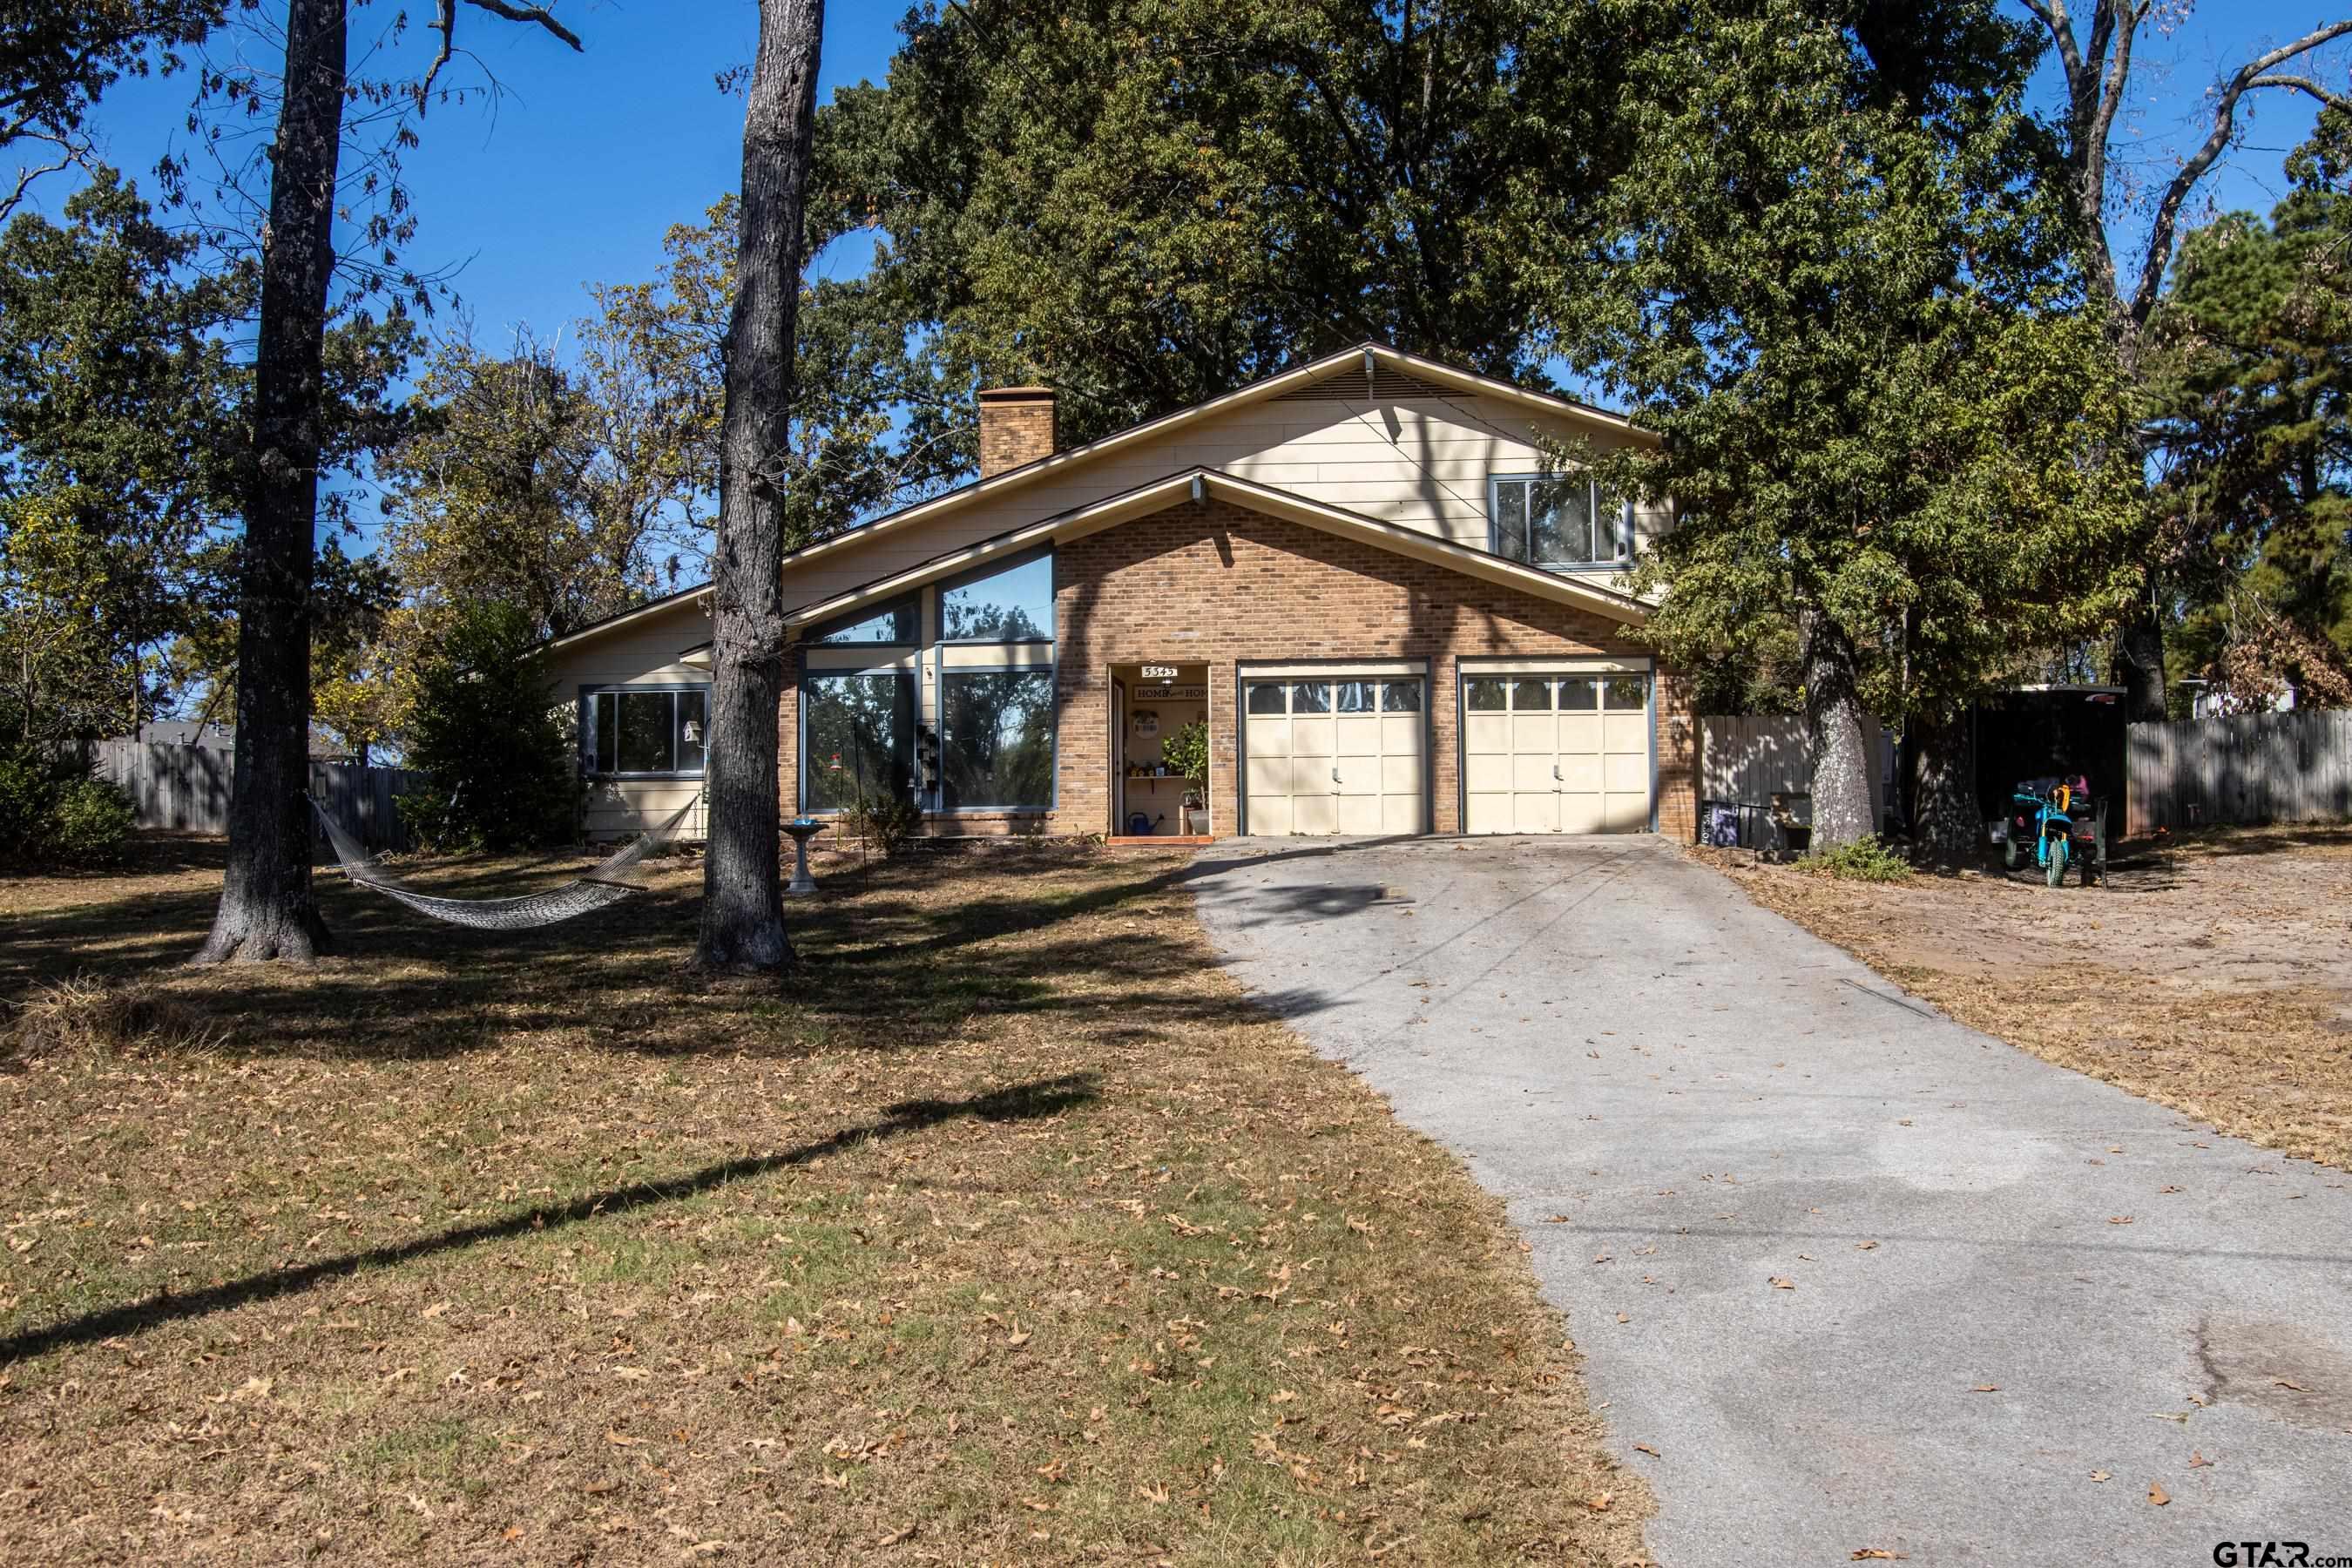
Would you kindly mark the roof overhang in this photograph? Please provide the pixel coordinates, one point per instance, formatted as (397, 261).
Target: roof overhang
(1213, 484)
(1364, 359)
(629, 618)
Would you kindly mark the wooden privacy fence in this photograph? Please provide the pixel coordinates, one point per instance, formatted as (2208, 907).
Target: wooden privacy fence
(2252, 768)
(186, 789)
(1747, 761)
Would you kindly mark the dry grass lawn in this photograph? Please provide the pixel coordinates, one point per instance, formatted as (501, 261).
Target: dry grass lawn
(2212, 973)
(1008, 1231)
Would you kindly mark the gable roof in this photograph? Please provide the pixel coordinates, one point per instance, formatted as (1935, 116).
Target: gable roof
(1204, 484)
(1369, 358)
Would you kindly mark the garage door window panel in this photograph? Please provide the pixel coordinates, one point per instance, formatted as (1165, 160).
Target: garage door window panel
(1268, 697)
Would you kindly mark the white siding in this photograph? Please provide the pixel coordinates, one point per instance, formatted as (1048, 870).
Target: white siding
(644, 653)
(1422, 462)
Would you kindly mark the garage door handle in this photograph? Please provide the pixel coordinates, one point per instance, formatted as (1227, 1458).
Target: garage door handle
(1555, 774)
(1335, 776)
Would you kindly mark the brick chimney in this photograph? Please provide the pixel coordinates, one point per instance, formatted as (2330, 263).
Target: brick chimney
(1016, 426)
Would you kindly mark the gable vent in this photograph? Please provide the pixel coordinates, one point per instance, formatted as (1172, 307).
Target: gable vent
(1347, 386)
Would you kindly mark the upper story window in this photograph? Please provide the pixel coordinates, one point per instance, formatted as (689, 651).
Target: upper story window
(893, 625)
(1560, 522)
(1010, 604)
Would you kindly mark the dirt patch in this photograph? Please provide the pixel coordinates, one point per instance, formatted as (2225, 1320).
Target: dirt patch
(2212, 973)
(1007, 1230)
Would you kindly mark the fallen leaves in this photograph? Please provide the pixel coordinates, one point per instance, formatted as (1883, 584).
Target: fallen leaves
(1780, 1284)
(1986, 1388)
(2120, 1219)
(2158, 1496)
(1877, 1554)
(2102, 1474)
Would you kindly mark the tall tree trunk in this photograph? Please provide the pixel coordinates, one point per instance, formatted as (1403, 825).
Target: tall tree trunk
(266, 909)
(742, 888)
(1944, 773)
(2140, 667)
(1833, 736)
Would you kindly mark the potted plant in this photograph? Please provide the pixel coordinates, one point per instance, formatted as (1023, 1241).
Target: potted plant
(1186, 752)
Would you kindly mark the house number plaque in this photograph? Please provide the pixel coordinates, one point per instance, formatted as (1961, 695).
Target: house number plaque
(1159, 672)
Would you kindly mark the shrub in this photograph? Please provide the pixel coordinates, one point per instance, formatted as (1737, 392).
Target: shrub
(503, 771)
(884, 818)
(53, 812)
(1863, 860)
(89, 821)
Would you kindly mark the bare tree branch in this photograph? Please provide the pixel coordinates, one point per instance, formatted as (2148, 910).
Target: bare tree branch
(2225, 109)
(539, 13)
(2303, 84)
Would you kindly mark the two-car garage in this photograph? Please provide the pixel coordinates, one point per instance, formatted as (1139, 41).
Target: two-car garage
(1542, 748)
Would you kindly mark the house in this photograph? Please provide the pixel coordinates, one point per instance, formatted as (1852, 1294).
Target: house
(1356, 571)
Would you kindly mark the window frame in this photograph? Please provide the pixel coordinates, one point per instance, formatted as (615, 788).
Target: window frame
(1052, 672)
(1625, 541)
(585, 738)
(910, 606)
(941, 591)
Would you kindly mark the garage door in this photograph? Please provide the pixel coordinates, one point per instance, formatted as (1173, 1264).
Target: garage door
(1333, 754)
(1556, 754)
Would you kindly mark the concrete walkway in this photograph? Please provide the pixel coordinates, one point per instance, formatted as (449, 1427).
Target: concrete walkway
(2006, 1281)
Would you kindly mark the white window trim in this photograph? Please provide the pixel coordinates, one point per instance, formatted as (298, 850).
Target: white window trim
(1627, 539)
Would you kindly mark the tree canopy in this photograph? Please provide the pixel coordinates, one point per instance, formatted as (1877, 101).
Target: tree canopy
(1150, 202)
(1835, 293)
(2251, 357)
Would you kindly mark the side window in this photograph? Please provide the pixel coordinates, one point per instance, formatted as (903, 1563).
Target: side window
(1561, 522)
(658, 732)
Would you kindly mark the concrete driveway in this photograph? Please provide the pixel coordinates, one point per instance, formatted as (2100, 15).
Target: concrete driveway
(2017, 1297)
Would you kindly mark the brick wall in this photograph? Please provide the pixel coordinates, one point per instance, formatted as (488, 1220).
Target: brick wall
(1222, 585)
(1016, 426)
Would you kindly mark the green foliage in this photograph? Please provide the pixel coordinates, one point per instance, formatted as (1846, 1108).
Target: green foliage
(2251, 358)
(1863, 860)
(58, 60)
(883, 818)
(488, 729)
(1186, 750)
(52, 812)
(89, 821)
(118, 425)
(123, 433)
(1841, 296)
(1150, 202)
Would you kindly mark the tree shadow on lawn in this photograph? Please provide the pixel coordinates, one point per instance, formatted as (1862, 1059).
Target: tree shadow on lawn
(903, 964)
(1036, 1100)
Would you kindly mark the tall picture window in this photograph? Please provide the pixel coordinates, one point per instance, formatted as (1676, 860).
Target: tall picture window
(654, 733)
(997, 748)
(1563, 521)
(857, 737)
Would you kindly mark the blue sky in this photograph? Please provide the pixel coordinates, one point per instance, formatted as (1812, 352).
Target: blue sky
(572, 172)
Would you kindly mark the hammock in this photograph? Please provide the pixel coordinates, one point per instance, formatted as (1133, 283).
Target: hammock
(599, 887)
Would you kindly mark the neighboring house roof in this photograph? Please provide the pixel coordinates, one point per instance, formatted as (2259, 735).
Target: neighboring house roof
(1369, 356)
(1201, 484)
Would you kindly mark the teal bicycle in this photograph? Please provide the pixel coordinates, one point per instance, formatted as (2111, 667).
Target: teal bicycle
(2054, 821)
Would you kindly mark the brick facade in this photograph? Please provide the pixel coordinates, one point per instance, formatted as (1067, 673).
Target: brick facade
(1221, 585)
(1016, 426)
